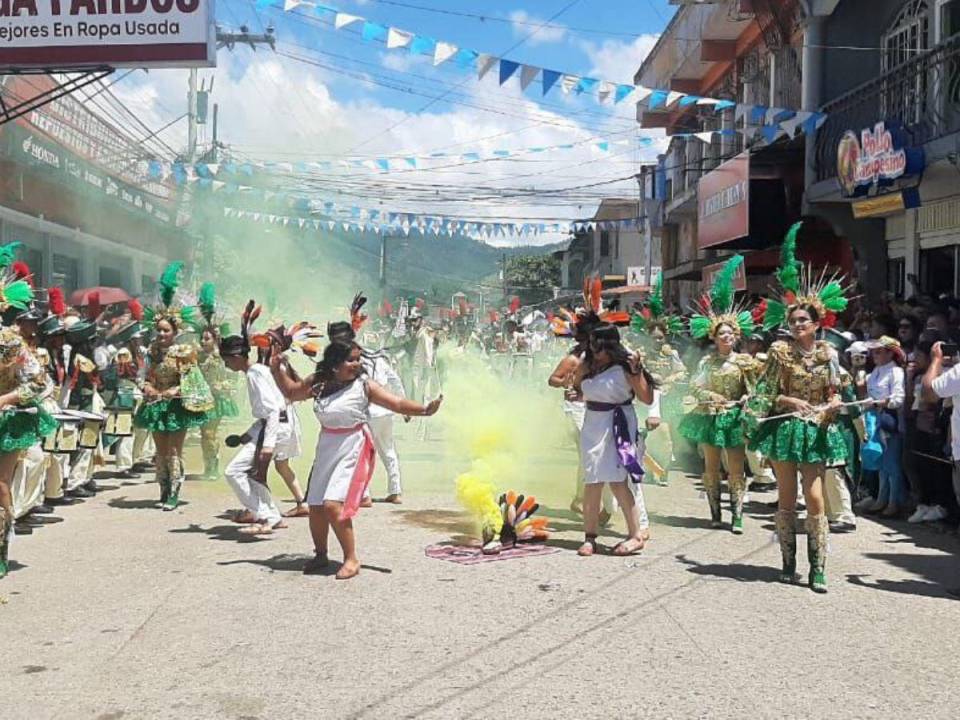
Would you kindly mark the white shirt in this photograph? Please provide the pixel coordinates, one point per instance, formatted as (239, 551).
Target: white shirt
(948, 386)
(266, 402)
(379, 370)
(886, 383)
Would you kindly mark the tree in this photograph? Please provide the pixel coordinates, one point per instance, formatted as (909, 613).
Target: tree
(532, 277)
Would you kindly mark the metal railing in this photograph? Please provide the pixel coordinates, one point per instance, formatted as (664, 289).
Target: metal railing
(922, 94)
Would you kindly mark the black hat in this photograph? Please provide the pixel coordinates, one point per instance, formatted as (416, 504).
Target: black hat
(605, 331)
(126, 333)
(52, 325)
(234, 346)
(82, 331)
(31, 314)
(340, 331)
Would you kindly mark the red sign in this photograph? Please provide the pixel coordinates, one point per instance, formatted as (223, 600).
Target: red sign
(739, 278)
(724, 203)
(85, 33)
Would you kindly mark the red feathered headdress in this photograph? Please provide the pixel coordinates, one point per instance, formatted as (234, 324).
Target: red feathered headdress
(94, 308)
(136, 309)
(55, 302)
(514, 304)
(21, 271)
(357, 318)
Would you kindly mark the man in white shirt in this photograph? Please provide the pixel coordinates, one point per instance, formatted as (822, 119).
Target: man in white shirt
(269, 437)
(940, 384)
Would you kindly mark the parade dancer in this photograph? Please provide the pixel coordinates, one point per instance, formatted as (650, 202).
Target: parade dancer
(345, 456)
(23, 423)
(377, 367)
(721, 385)
(665, 366)
(220, 382)
(610, 379)
(177, 398)
(270, 437)
(53, 334)
(796, 404)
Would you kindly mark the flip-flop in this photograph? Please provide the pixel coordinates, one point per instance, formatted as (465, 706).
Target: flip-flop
(256, 529)
(298, 511)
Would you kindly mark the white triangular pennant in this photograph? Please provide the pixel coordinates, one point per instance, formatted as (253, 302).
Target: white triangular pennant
(443, 52)
(398, 38)
(568, 83)
(643, 93)
(706, 137)
(607, 89)
(341, 20)
(673, 96)
(528, 73)
(484, 64)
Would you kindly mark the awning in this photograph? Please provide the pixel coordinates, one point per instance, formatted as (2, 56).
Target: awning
(626, 290)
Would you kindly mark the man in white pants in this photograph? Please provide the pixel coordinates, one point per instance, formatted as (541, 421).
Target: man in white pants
(269, 437)
(377, 367)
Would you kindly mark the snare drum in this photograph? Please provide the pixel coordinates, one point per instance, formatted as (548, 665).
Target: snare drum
(119, 423)
(66, 438)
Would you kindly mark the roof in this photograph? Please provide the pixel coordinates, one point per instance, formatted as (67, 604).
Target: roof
(617, 209)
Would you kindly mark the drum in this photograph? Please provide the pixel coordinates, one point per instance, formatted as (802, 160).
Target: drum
(119, 423)
(89, 426)
(66, 438)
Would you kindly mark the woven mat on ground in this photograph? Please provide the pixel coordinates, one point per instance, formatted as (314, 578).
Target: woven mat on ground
(471, 555)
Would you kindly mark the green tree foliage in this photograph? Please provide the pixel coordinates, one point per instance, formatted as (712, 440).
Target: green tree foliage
(535, 272)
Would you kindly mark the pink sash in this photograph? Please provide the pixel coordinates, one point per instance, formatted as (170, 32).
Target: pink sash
(362, 473)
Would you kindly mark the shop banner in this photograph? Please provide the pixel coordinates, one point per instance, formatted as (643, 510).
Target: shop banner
(723, 195)
(97, 33)
(31, 148)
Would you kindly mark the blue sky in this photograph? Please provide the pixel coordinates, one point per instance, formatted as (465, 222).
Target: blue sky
(332, 100)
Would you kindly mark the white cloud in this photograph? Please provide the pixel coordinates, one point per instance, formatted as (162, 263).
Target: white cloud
(400, 60)
(525, 24)
(618, 61)
(277, 109)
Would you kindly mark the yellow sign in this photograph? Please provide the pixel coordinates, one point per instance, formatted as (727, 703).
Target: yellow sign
(877, 206)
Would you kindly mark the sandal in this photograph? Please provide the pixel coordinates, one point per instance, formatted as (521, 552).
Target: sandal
(589, 546)
(630, 546)
(256, 529)
(244, 517)
(300, 510)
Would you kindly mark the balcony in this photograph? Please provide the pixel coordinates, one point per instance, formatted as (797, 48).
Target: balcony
(922, 94)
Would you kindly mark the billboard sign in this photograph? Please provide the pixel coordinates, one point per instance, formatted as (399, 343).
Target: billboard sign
(723, 198)
(875, 158)
(637, 275)
(106, 33)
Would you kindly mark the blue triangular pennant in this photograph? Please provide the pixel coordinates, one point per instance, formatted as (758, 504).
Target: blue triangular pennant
(656, 99)
(622, 92)
(550, 78)
(586, 85)
(373, 31)
(507, 69)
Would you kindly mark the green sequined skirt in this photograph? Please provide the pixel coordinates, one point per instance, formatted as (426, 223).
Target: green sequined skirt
(225, 407)
(724, 429)
(170, 416)
(19, 431)
(798, 441)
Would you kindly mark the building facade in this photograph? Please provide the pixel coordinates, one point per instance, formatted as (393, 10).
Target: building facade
(74, 191)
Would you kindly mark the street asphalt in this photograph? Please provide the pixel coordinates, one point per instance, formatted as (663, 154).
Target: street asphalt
(123, 611)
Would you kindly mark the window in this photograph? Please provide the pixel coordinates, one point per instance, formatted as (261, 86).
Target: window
(905, 98)
(148, 284)
(949, 18)
(896, 276)
(938, 270)
(34, 260)
(66, 273)
(616, 245)
(111, 277)
(604, 243)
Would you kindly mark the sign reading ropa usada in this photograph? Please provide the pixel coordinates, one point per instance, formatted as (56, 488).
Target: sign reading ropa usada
(875, 159)
(65, 34)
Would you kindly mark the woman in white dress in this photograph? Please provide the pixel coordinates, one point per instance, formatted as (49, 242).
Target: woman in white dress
(345, 452)
(610, 379)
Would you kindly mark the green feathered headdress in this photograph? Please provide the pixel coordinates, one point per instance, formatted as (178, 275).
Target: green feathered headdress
(801, 288)
(17, 294)
(168, 285)
(8, 253)
(652, 316)
(721, 311)
(207, 302)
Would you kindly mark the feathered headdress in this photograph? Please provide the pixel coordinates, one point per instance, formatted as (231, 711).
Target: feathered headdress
(719, 308)
(207, 302)
(652, 316)
(21, 271)
(14, 292)
(301, 336)
(250, 315)
(94, 307)
(136, 309)
(167, 309)
(56, 304)
(357, 317)
(801, 287)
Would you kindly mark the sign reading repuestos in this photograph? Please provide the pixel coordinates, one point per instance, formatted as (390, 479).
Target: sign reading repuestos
(114, 33)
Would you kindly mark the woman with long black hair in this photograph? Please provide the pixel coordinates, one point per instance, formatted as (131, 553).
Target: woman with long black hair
(343, 465)
(610, 379)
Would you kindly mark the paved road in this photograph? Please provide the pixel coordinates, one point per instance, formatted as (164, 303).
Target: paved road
(126, 612)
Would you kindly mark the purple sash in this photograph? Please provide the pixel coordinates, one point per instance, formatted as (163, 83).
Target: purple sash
(626, 446)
